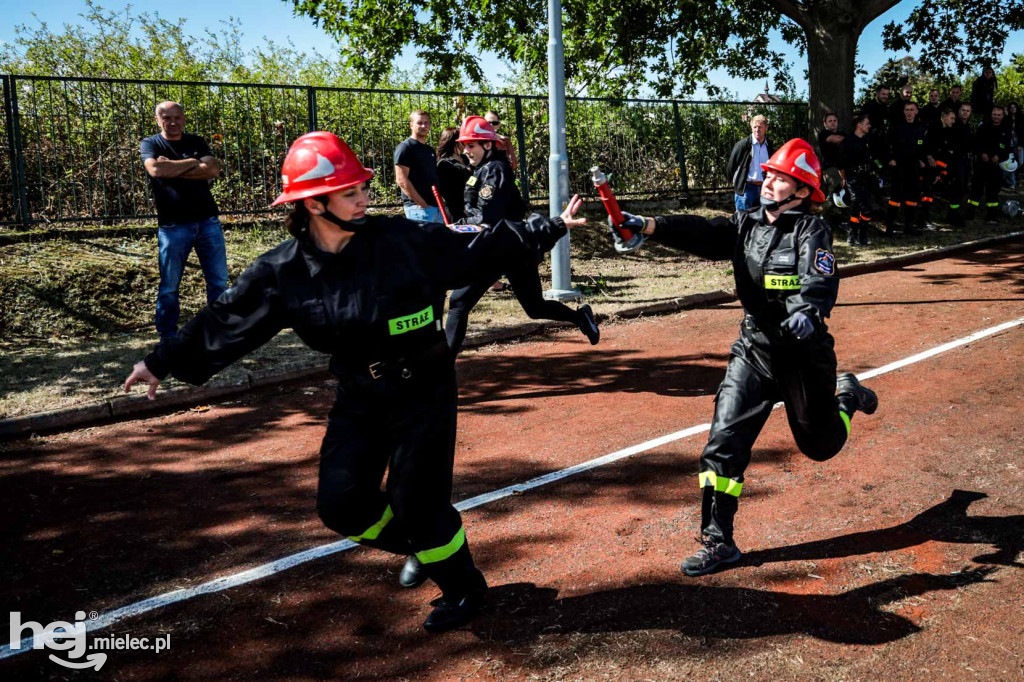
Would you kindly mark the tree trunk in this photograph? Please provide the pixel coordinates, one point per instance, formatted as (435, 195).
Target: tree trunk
(832, 28)
(830, 71)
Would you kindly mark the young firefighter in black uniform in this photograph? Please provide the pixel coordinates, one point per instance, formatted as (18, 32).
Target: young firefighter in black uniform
(491, 194)
(991, 145)
(906, 159)
(945, 144)
(786, 280)
(858, 171)
(369, 290)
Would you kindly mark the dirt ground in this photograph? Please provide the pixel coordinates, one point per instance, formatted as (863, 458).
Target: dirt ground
(899, 559)
(75, 315)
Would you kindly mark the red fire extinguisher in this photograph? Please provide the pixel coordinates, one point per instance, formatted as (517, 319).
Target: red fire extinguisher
(628, 240)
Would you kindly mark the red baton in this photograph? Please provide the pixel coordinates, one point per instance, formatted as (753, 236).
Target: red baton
(611, 204)
(440, 204)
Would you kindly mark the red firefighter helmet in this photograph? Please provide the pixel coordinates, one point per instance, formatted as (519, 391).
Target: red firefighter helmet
(318, 163)
(797, 159)
(477, 129)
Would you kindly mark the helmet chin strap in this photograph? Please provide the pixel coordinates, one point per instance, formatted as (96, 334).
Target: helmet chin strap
(774, 206)
(347, 225)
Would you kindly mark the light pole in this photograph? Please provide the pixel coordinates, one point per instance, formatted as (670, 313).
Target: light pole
(558, 162)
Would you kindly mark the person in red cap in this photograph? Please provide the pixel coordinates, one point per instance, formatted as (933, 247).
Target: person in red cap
(368, 290)
(786, 279)
(491, 195)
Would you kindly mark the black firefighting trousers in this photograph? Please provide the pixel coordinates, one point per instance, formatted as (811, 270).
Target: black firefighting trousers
(404, 421)
(525, 282)
(988, 180)
(761, 373)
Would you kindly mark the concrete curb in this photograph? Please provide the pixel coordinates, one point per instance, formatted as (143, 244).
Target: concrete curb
(137, 405)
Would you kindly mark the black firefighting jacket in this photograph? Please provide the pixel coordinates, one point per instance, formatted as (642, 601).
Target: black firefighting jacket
(992, 140)
(491, 193)
(945, 145)
(380, 299)
(855, 157)
(906, 142)
(780, 268)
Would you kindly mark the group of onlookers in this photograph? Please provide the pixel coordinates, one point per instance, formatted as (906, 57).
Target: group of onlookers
(905, 155)
(910, 155)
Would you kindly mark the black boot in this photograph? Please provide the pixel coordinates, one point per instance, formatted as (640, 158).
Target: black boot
(909, 219)
(862, 238)
(992, 215)
(851, 240)
(413, 574)
(458, 608)
(891, 216)
(588, 325)
(955, 216)
(463, 591)
(852, 395)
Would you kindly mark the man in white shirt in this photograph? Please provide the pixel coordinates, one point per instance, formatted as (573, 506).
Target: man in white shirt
(744, 166)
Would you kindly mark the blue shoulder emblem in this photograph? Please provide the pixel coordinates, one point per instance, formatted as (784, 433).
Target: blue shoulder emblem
(465, 228)
(825, 262)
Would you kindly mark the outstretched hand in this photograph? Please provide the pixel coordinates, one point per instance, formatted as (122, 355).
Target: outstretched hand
(141, 373)
(568, 215)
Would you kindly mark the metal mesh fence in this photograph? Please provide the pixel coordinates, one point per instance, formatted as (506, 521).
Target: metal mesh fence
(70, 146)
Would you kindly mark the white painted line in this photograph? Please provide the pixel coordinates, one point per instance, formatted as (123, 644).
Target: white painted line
(253, 574)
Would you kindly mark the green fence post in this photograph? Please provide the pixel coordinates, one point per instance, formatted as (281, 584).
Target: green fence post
(680, 152)
(524, 172)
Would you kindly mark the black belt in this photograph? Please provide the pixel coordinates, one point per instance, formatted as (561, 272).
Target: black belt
(426, 360)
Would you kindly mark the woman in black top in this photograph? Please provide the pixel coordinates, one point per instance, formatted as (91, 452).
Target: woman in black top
(370, 291)
(452, 173)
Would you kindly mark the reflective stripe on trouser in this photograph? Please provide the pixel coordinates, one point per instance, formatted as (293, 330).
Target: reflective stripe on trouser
(431, 556)
(721, 484)
(408, 428)
(760, 374)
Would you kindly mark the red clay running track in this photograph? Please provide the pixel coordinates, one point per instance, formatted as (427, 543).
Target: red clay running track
(900, 558)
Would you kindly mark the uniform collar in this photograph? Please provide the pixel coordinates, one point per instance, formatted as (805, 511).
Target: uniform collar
(317, 260)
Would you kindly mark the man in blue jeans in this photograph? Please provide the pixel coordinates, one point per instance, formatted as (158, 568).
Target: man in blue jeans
(744, 165)
(416, 171)
(180, 166)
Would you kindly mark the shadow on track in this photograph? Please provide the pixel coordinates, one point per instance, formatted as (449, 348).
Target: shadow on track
(945, 522)
(521, 612)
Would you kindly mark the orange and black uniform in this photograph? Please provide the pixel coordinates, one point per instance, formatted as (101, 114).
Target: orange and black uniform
(376, 308)
(858, 167)
(906, 148)
(780, 268)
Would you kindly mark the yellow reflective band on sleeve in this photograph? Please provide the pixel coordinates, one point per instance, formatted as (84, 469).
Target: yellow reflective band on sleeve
(846, 421)
(709, 479)
(783, 282)
(972, 202)
(430, 556)
(373, 531)
(401, 325)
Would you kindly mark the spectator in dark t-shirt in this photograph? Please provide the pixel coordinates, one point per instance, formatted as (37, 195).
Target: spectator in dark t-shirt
(416, 171)
(180, 168)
